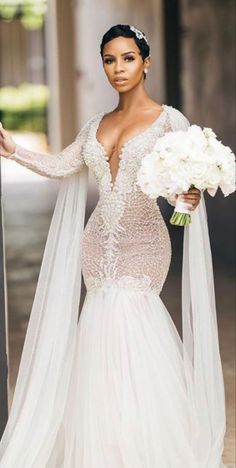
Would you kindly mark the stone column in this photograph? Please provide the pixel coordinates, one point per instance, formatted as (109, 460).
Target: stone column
(60, 51)
(3, 329)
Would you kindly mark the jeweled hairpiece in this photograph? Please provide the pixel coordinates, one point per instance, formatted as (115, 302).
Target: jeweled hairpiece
(139, 34)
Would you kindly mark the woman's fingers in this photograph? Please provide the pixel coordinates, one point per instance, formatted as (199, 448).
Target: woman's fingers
(192, 197)
(7, 144)
(1, 127)
(3, 132)
(194, 189)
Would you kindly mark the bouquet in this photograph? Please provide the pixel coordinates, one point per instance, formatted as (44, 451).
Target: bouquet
(183, 159)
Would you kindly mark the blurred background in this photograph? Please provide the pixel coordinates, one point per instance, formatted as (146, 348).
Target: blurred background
(51, 82)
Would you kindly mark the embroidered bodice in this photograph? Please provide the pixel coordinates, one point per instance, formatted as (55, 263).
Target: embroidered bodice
(126, 241)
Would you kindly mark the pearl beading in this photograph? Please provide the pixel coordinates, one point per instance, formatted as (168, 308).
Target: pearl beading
(125, 242)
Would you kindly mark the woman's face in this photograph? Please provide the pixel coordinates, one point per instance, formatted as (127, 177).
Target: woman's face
(123, 63)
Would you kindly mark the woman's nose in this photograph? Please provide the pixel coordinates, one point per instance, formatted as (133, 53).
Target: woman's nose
(119, 66)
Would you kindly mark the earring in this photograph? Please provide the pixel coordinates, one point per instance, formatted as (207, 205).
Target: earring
(145, 70)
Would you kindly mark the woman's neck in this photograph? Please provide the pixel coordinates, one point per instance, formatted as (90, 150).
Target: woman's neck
(136, 98)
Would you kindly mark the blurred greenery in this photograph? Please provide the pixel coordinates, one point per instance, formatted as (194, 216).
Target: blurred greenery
(24, 107)
(30, 12)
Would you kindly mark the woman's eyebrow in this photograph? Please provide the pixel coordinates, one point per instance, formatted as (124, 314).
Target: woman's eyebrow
(129, 52)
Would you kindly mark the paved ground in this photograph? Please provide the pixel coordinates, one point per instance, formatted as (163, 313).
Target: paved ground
(28, 205)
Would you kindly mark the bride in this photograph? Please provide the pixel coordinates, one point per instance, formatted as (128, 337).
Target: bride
(117, 388)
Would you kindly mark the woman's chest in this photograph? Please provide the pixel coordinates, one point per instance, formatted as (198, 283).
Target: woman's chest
(120, 174)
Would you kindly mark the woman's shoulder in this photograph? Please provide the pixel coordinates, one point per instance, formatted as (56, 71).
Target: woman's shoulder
(93, 118)
(178, 120)
(88, 124)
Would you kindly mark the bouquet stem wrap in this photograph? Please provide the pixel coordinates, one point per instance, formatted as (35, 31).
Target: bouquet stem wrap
(181, 215)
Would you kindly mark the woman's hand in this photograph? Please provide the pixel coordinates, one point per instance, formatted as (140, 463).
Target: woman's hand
(7, 144)
(192, 197)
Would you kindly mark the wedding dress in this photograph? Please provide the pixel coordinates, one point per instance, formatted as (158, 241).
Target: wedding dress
(117, 388)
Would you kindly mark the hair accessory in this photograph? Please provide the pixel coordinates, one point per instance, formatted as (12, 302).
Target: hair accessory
(139, 34)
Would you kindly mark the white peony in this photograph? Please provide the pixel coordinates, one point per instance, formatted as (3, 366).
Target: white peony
(184, 158)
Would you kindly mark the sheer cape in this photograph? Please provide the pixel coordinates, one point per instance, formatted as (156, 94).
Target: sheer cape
(46, 364)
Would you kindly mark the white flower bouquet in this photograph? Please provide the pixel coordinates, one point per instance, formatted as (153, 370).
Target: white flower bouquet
(183, 159)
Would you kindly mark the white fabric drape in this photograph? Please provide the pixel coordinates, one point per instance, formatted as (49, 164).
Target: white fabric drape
(46, 362)
(200, 338)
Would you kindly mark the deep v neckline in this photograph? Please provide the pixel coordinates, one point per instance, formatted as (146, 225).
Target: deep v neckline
(123, 147)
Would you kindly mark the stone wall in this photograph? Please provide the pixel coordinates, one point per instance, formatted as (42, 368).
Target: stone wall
(208, 64)
(208, 95)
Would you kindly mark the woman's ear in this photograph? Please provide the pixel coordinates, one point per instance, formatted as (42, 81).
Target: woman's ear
(146, 64)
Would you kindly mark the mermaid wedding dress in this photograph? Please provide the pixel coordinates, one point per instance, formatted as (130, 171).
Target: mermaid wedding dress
(118, 388)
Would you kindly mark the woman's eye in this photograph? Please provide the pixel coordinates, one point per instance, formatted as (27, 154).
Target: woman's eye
(130, 58)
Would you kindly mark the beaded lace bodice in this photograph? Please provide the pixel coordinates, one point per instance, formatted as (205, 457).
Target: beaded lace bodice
(125, 242)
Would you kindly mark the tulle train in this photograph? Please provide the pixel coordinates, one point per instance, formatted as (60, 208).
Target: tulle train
(128, 405)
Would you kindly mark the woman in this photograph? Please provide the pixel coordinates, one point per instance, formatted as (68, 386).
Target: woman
(120, 390)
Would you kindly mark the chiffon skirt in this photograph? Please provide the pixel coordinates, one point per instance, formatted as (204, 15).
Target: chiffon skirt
(127, 405)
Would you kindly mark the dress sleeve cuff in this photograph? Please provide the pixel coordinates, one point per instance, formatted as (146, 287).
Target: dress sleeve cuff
(17, 152)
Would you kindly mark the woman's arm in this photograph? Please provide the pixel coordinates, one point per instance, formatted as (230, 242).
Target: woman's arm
(63, 164)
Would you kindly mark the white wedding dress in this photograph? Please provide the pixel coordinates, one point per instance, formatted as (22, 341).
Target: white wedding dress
(118, 389)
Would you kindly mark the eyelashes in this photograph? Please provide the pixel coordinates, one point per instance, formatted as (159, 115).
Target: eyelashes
(108, 61)
(130, 58)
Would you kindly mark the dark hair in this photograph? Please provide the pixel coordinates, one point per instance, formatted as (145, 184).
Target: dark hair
(125, 31)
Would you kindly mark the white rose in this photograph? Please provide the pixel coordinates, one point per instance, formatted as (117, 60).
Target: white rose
(197, 137)
(227, 183)
(213, 180)
(199, 174)
(208, 132)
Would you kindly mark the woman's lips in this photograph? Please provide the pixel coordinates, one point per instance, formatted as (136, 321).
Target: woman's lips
(120, 81)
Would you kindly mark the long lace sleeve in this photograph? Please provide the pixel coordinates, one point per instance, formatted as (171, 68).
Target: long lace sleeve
(63, 164)
(178, 121)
